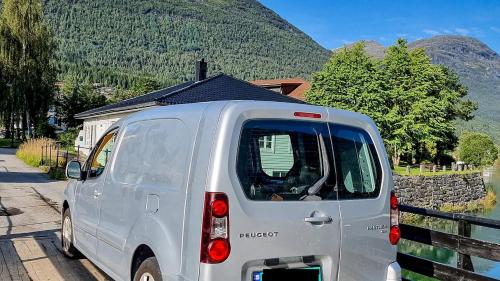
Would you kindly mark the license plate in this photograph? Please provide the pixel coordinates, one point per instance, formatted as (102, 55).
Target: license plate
(288, 274)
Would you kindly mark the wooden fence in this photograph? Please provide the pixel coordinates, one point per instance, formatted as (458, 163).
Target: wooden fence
(461, 243)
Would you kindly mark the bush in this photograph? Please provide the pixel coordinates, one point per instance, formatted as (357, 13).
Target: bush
(477, 149)
(30, 151)
(67, 139)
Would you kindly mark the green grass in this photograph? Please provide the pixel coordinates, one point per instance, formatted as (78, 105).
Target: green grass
(7, 143)
(416, 172)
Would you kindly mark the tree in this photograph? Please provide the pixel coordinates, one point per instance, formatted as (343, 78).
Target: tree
(413, 102)
(477, 149)
(27, 58)
(143, 86)
(76, 97)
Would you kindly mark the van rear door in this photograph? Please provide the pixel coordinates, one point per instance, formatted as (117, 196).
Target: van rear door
(279, 178)
(364, 185)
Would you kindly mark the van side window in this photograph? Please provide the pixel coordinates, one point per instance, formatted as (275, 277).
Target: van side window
(101, 155)
(153, 152)
(280, 160)
(357, 163)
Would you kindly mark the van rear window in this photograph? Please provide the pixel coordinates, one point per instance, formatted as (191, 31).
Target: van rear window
(286, 161)
(290, 160)
(359, 171)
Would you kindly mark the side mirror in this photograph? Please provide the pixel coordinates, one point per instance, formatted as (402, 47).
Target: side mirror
(74, 170)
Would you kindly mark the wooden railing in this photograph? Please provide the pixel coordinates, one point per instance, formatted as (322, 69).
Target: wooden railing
(461, 243)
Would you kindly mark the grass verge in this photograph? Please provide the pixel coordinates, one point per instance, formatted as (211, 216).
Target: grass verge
(7, 143)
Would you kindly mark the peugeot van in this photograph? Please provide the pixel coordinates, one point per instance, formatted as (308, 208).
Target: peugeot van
(235, 190)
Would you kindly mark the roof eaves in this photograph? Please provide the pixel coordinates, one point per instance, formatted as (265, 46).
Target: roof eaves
(84, 115)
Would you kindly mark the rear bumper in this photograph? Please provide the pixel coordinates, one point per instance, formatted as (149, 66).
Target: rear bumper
(393, 272)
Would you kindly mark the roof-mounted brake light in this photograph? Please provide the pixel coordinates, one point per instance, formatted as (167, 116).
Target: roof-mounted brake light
(307, 114)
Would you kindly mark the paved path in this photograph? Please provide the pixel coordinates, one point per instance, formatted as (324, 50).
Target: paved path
(29, 236)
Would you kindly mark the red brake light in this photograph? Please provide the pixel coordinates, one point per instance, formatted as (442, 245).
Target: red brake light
(218, 250)
(394, 201)
(219, 208)
(307, 114)
(215, 246)
(394, 235)
(394, 232)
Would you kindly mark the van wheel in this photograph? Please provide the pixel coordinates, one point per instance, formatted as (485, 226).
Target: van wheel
(68, 247)
(149, 270)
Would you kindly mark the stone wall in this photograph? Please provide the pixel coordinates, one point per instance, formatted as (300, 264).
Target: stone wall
(433, 191)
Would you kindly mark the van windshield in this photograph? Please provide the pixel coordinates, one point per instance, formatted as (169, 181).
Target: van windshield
(286, 160)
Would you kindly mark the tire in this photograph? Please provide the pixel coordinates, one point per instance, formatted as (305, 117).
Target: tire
(68, 247)
(149, 270)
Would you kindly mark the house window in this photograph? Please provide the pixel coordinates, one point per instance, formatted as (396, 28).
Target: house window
(266, 143)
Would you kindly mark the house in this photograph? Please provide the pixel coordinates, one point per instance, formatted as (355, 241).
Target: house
(293, 87)
(219, 87)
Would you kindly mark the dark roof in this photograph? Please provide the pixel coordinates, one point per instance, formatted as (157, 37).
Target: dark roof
(215, 88)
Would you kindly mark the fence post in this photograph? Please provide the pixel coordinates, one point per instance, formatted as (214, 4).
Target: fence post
(78, 154)
(57, 156)
(41, 159)
(46, 154)
(464, 261)
(67, 155)
(50, 156)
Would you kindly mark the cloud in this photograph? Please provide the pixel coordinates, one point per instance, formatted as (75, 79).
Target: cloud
(470, 31)
(462, 31)
(431, 32)
(496, 29)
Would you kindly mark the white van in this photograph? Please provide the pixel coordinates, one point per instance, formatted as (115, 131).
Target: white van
(236, 190)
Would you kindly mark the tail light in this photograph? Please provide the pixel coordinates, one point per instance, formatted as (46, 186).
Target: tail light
(394, 232)
(307, 114)
(215, 246)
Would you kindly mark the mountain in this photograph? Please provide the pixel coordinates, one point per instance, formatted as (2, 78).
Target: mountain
(478, 67)
(119, 41)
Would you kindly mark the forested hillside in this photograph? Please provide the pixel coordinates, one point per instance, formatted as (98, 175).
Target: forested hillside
(479, 68)
(117, 41)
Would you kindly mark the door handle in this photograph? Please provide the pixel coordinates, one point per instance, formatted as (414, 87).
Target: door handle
(97, 193)
(318, 220)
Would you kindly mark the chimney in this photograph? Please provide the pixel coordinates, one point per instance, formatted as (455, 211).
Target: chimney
(201, 70)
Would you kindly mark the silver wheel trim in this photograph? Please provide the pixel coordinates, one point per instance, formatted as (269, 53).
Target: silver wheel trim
(67, 233)
(146, 277)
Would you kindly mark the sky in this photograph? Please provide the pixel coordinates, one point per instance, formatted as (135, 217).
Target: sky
(334, 23)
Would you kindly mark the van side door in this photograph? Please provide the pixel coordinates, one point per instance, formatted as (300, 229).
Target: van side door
(364, 203)
(85, 214)
(145, 192)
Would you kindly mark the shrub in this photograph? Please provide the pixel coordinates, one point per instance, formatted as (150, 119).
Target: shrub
(30, 151)
(478, 149)
(67, 139)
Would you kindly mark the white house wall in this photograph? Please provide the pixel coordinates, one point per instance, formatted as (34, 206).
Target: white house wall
(94, 128)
